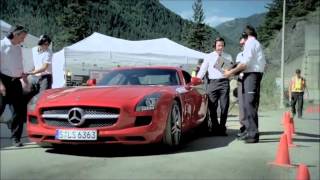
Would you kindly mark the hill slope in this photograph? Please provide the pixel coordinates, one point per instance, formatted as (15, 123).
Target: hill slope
(232, 29)
(68, 22)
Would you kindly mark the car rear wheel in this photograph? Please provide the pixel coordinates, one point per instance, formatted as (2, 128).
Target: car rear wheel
(206, 128)
(172, 134)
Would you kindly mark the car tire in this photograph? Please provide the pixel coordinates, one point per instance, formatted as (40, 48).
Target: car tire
(173, 130)
(206, 128)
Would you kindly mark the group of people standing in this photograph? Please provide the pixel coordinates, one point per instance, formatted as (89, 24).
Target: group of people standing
(13, 78)
(249, 69)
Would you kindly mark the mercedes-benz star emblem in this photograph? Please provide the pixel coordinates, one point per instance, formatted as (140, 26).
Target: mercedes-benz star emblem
(75, 116)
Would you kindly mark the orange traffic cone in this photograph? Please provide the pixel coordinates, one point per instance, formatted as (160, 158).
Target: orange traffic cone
(303, 172)
(288, 132)
(282, 158)
(286, 117)
(292, 128)
(309, 109)
(289, 138)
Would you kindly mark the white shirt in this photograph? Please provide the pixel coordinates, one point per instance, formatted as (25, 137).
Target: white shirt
(40, 58)
(239, 57)
(209, 65)
(253, 56)
(238, 60)
(11, 63)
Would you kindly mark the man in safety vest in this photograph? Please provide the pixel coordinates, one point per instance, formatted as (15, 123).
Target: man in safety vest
(297, 86)
(197, 68)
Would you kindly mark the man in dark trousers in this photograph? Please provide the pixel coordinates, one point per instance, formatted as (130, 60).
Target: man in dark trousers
(296, 91)
(11, 70)
(252, 64)
(218, 87)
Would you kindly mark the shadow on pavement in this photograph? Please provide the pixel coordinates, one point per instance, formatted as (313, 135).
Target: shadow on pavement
(308, 134)
(190, 143)
(270, 133)
(306, 140)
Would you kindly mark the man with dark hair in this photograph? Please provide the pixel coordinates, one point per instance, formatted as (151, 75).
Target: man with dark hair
(297, 86)
(11, 70)
(239, 57)
(252, 64)
(42, 59)
(218, 88)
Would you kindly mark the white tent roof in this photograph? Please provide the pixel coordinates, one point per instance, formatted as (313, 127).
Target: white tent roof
(99, 52)
(101, 43)
(5, 27)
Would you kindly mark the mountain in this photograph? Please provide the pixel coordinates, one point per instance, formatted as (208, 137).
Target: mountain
(232, 29)
(72, 20)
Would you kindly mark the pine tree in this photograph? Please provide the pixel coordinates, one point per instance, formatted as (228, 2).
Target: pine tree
(198, 34)
(73, 23)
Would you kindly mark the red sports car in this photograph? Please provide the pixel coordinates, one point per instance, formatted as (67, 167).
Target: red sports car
(134, 105)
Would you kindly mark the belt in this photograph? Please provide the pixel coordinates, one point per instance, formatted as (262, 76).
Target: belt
(253, 73)
(218, 80)
(3, 76)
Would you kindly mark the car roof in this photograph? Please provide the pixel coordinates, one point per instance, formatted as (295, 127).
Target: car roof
(148, 67)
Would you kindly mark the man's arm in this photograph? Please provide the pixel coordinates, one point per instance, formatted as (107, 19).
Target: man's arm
(204, 68)
(240, 67)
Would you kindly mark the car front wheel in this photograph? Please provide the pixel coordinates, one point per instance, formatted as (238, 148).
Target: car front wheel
(172, 134)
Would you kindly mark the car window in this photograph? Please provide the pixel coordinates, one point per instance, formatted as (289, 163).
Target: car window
(141, 77)
(186, 76)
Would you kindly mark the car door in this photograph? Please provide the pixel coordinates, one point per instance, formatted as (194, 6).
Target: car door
(195, 102)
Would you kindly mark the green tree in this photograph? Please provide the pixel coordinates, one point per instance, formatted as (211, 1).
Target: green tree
(74, 24)
(199, 33)
(273, 19)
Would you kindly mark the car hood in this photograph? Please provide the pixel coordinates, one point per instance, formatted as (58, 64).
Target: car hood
(113, 95)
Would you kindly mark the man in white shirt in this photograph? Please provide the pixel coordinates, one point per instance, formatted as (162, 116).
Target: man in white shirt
(42, 59)
(218, 87)
(252, 64)
(11, 70)
(243, 39)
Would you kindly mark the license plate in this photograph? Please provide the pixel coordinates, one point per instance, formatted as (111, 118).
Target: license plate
(83, 135)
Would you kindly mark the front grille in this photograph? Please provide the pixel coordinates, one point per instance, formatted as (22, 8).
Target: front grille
(94, 117)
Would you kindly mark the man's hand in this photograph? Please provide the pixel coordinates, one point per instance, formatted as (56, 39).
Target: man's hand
(227, 73)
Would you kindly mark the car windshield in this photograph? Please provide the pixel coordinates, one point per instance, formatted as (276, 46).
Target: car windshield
(167, 77)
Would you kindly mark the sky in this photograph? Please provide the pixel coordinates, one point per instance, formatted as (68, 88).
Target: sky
(218, 11)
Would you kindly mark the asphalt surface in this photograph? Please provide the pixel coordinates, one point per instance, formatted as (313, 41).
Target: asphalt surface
(198, 158)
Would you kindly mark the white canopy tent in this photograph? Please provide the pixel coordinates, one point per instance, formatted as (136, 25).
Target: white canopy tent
(99, 52)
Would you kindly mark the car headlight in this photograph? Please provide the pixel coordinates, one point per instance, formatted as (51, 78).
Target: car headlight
(148, 103)
(33, 102)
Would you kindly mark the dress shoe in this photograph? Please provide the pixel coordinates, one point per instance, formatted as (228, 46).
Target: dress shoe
(17, 143)
(241, 134)
(254, 139)
(242, 128)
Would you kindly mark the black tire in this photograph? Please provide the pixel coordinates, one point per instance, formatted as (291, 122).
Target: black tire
(173, 131)
(206, 127)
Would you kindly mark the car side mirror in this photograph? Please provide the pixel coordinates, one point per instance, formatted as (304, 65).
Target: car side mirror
(91, 82)
(196, 81)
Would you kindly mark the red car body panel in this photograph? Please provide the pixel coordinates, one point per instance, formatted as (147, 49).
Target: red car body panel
(193, 105)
